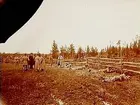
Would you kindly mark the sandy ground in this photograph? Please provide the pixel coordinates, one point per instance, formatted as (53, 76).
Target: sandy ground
(56, 86)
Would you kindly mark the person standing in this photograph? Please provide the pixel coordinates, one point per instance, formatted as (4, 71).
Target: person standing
(60, 59)
(25, 62)
(37, 60)
(31, 61)
(16, 61)
(42, 63)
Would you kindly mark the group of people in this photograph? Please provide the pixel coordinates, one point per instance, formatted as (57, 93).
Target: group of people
(37, 61)
(31, 62)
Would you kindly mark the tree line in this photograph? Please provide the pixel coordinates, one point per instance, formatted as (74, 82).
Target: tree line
(131, 50)
(69, 52)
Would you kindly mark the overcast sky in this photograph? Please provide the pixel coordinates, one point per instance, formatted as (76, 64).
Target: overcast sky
(81, 22)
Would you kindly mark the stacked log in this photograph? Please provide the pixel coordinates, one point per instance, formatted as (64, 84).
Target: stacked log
(116, 78)
(111, 64)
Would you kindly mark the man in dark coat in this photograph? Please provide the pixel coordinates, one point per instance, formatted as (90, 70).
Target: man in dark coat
(31, 61)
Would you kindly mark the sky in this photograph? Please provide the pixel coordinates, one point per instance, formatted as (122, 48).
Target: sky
(96, 23)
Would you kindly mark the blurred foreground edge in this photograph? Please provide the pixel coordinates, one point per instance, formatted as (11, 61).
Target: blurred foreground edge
(14, 14)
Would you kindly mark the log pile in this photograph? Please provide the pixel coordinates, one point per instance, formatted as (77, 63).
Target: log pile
(113, 69)
(115, 78)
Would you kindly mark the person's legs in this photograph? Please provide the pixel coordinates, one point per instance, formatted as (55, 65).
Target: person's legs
(40, 67)
(37, 67)
(28, 66)
(24, 67)
(51, 63)
(61, 64)
(31, 66)
(58, 63)
(43, 67)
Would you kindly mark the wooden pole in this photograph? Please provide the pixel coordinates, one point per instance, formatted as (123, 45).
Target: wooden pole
(121, 56)
(98, 60)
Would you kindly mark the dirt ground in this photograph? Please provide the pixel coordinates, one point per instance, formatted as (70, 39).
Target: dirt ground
(56, 86)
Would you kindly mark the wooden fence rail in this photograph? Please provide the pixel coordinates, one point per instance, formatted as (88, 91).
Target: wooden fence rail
(95, 62)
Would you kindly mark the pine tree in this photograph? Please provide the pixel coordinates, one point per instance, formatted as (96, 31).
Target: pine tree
(88, 51)
(127, 51)
(63, 51)
(139, 47)
(93, 52)
(71, 51)
(135, 48)
(55, 50)
(113, 51)
(80, 52)
(67, 52)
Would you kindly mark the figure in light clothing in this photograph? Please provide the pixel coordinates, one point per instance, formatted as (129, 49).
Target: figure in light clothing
(25, 62)
(42, 63)
(37, 62)
(60, 59)
(16, 61)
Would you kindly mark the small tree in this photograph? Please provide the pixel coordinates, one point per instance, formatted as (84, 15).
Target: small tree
(80, 52)
(139, 47)
(55, 50)
(62, 51)
(94, 52)
(88, 51)
(71, 50)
